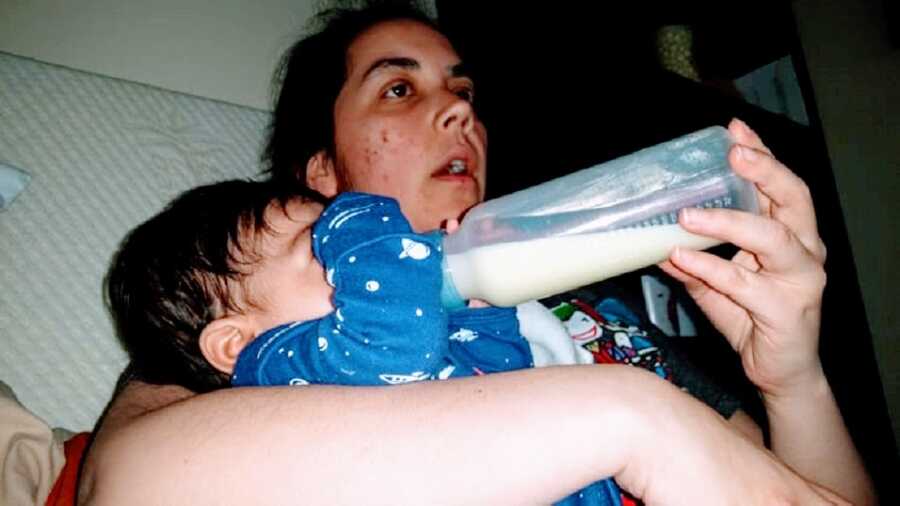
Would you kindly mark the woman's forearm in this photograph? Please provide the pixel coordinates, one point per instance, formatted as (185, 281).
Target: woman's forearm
(809, 434)
(530, 436)
(495, 439)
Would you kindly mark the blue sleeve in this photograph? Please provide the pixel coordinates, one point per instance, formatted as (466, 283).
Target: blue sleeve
(354, 219)
(487, 340)
(388, 325)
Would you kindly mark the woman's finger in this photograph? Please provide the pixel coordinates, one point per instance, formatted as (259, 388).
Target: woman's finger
(773, 243)
(721, 310)
(746, 259)
(691, 284)
(745, 135)
(784, 196)
(793, 205)
(742, 258)
(729, 279)
(773, 178)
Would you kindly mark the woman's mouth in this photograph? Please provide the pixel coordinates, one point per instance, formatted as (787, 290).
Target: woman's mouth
(457, 167)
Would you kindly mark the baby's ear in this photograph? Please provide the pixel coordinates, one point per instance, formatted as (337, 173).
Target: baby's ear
(222, 340)
(321, 174)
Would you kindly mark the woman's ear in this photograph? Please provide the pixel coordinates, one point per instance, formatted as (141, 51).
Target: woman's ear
(222, 340)
(321, 174)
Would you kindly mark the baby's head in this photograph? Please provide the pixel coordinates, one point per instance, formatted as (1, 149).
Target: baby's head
(189, 288)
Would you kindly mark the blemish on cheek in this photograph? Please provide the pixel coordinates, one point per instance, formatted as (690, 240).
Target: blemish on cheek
(371, 154)
(385, 138)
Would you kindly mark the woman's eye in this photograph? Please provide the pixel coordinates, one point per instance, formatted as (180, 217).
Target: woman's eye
(398, 90)
(467, 94)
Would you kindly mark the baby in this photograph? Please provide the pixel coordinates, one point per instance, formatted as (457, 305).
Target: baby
(246, 283)
(237, 283)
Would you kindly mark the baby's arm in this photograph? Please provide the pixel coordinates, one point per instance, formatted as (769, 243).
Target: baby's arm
(486, 340)
(388, 325)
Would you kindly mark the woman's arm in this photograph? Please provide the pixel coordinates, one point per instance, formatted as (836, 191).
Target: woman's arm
(744, 424)
(767, 302)
(522, 437)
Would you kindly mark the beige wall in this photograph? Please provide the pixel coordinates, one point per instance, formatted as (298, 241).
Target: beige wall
(856, 79)
(222, 49)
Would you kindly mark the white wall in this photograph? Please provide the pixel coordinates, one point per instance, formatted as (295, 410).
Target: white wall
(856, 78)
(222, 49)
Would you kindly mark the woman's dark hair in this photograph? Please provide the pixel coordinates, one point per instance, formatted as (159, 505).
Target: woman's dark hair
(173, 275)
(310, 77)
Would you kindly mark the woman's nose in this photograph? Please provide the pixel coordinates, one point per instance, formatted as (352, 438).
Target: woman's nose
(457, 114)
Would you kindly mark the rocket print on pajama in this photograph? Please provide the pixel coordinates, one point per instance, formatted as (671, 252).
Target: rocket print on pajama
(388, 325)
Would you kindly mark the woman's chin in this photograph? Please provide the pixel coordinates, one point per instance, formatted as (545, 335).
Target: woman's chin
(435, 216)
(442, 203)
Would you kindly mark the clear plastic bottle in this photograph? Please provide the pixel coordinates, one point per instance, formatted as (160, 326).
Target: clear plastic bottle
(592, 224)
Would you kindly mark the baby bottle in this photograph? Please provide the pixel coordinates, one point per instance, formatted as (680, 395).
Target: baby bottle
(592, 224)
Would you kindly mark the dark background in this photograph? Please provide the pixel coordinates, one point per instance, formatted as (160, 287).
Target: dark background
(570, 86)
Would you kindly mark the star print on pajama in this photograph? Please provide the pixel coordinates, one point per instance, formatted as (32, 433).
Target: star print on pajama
(388, 326)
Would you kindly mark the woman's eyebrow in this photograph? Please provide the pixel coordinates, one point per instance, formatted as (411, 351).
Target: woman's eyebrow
(460, 70)
(386, 63)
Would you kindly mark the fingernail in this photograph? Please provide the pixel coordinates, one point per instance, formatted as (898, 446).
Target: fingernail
(749, 154)
(687, 215)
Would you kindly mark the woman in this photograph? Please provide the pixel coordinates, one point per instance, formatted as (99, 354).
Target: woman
(396, 119)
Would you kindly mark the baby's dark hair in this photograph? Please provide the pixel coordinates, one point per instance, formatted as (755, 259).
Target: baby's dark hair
(175, 273)
(310, 77)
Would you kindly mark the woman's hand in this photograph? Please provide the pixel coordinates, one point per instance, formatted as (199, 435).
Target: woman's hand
(767, 299)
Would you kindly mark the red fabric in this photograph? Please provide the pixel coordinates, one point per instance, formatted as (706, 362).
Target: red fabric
(66, 486)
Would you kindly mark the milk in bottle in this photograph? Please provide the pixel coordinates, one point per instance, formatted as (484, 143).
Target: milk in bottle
(592, 224)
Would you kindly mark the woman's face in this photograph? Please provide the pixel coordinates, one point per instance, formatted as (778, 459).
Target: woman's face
(405, 127)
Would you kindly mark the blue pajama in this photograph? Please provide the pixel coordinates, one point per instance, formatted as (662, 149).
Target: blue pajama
(389, 326)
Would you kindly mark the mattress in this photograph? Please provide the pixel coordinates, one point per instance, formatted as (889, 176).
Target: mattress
(104, 155)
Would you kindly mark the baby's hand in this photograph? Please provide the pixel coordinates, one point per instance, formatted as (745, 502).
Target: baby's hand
(451, 225)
